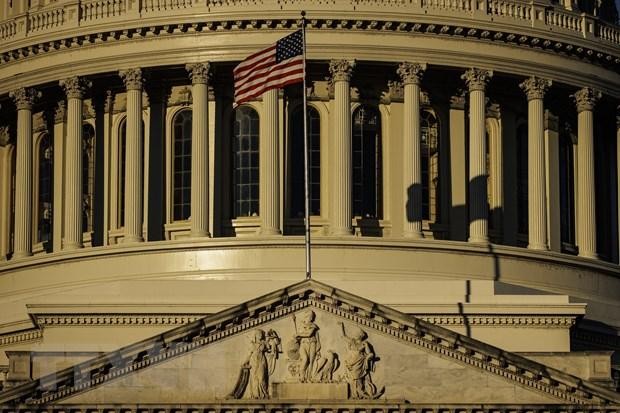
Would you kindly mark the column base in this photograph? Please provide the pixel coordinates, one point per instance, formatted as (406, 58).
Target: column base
(413, 234)
(589, 255)
(72, 246)
(200, 234)
(132, 239)
(342, 232)
(21, 254)
(478, 240)
(269, 231)
(538, 247)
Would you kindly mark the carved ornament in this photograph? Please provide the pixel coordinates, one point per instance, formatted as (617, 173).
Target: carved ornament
(199, 73)
(75, 87)
(132, 78)
(24, 98)
(5, 136)
(60, 114)
(477, 79)
(411, 73)
(109, 102)
(535, 87)
(586, 98)
(341, 70)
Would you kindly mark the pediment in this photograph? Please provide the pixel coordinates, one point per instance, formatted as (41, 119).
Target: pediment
(309, 342)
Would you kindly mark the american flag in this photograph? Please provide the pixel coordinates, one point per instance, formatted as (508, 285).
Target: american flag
(278, 65)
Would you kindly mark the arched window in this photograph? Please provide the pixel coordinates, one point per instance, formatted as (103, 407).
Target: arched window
(567, 192)
(297, 162)
(88, 176)
(367, 163)
(429, 128)
(522, 191)
(182, 190)
(46, 186)
(245, 162)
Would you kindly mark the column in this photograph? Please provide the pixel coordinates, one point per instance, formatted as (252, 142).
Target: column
(458, 170)
(133, 156)
(341, 71)
(6, 157)
(60, 121)
(535, 89)
(552, 172)
(476, 80)
(585, 100)
(24, 99)
(269, 168)
(199, 74)
(411, 75)
(75, 88)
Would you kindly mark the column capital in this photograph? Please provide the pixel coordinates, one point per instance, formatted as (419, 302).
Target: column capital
(535, 87)
(5, 136)
(586, 98)
(199, 73)
(341, 70)
(457, 102)
(75, 87)
(60, 113)
(411, 73)
(132, 78)
(24, 98)
(477, 79)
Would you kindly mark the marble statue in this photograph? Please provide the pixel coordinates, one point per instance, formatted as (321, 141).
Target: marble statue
(360, 363)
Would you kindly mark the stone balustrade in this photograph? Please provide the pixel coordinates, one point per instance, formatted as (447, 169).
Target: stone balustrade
(88, 14)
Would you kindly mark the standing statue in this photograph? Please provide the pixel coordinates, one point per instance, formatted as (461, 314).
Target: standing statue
(360, 363)
(260, 363)
(306, 346)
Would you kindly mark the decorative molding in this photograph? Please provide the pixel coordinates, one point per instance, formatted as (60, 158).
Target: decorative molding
(132, 78)
(199, 72)
(341, 70)
(83, 320)
(586, 99)
(75, 87)
(411, 73)
(310, 294)
(20, 337)
(458, 101)
(60, 114)
(24, 98)
(535, 87)
(477, 79)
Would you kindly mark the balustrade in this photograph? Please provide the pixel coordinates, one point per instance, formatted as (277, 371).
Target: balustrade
(563, 20)
(101, 9)
(165, 5)
(8, 30)
(46, 19)
(504, 8)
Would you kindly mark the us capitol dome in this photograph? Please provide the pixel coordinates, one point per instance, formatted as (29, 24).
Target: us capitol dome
(464, 200)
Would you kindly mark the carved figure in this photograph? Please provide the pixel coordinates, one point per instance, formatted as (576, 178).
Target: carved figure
(327, 366)
(307, 337)
(260, 363)
(360, 363)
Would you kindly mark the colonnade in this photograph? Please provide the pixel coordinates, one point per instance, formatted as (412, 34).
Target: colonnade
(411, 73)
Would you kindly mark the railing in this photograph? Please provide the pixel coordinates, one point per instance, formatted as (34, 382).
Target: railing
(83, 13)
(91, 10)
(519, 11)
(564, 20)
(46, 20)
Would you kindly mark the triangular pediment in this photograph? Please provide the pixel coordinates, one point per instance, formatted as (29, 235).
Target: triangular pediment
(309, 342)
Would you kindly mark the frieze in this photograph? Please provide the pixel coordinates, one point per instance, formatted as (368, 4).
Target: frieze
(300, 299)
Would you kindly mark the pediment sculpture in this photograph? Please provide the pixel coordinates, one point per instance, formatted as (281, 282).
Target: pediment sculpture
(310, 367)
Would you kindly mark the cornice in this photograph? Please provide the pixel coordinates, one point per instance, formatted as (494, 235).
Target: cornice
(281, 303)
(20, 337)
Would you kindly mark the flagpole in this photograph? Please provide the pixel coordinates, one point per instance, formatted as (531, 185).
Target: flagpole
(306, 174)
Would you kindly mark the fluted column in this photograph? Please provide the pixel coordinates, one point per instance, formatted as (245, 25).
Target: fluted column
(535, 89)
(75, 88)
(133, 156)
(476, 80)
(269, 168)
(585, 100)
(341, 71)
(199, 73)
(411, 75)
(24, 99)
